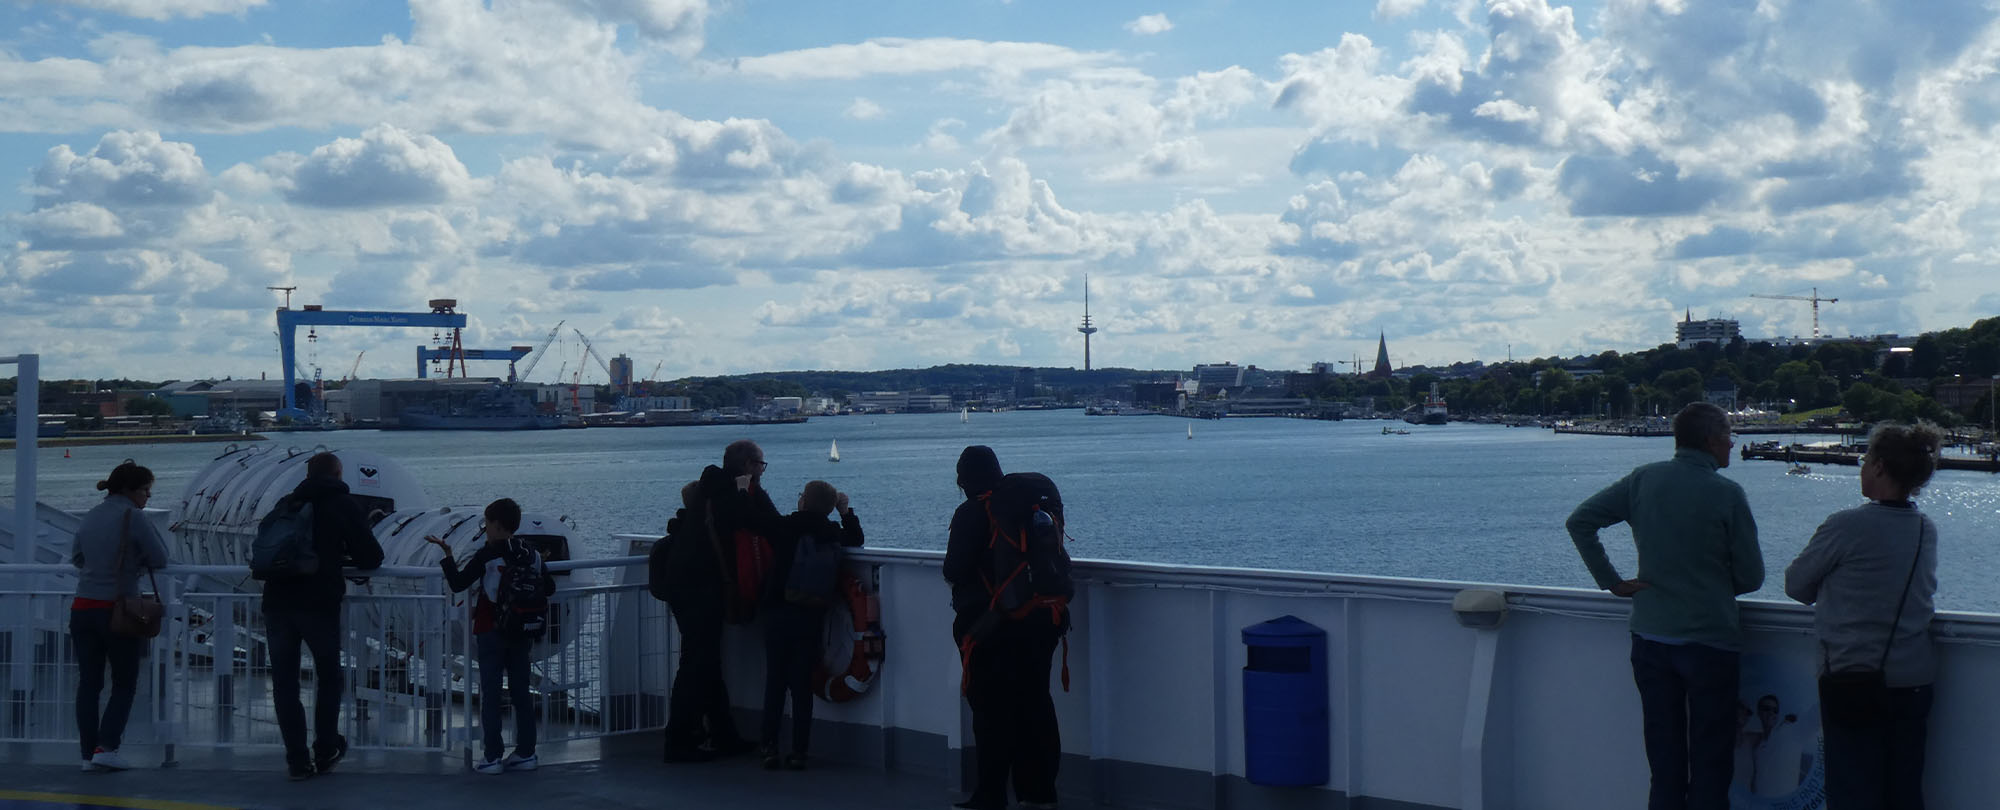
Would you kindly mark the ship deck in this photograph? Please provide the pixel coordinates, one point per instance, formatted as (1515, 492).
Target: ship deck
(611, 774)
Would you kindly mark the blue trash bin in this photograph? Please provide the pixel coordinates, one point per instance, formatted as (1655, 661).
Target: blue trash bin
(1286, 724)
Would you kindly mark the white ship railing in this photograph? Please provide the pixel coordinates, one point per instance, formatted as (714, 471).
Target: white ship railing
(405, 654)
(1539, 712)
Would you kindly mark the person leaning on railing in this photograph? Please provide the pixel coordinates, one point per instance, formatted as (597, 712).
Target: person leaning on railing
(1870, 573)
(114, 541)
(1698, 551)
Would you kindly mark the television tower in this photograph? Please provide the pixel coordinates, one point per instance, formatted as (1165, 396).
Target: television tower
(1086, 328)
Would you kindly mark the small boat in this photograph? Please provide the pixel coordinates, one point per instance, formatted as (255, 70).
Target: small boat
(833, 453)
(1799, 469)
(1396, 432)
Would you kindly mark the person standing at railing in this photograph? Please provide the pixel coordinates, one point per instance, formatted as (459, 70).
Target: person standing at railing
(1870, 574)
(1014, 725)
(305, 611)
(693, 583)
(112, 544)
(1697, 545)
(802, 586)
(503, 644)
(738, 518)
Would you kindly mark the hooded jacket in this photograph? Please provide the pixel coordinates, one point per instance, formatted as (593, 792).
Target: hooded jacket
(343, 538)
(978, 473)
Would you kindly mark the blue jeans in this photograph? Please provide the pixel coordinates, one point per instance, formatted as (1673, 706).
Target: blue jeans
(499, 656)
(319, 631)
(1688, 695)
(90, 632)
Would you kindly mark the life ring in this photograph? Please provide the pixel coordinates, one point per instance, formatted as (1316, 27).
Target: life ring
(860, 638)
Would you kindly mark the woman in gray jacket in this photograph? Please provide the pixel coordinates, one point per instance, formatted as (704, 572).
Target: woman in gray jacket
(1870, 574)
(104, 575)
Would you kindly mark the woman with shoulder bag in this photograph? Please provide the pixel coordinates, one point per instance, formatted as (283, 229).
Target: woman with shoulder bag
(1870, 573)
(109, 621)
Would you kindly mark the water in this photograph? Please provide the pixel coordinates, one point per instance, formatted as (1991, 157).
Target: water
(1464, 502)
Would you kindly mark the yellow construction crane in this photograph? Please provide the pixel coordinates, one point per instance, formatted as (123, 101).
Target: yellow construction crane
(1814, 298)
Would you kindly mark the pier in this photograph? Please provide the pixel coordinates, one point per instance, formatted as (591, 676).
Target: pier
(1850, 455)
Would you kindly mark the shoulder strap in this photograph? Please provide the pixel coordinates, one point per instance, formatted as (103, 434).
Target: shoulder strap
(1915, 557)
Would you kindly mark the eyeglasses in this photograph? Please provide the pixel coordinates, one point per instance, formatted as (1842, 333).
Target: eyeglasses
(761, 463)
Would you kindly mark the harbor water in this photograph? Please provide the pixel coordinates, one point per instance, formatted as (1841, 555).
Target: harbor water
(1459, 502)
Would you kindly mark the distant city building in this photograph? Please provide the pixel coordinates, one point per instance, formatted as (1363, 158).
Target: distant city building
(788, 404)
(659, 403)
(1721, 392)
(1157, 394)
(621, 371)
(878, 400)
(1024, 384)
(820, 405)
(1218, 376)
(1321, 368)
(1690, 332)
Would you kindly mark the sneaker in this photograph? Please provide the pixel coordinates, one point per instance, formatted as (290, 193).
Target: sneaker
(110, 760)
(324, 761)
(299, 771)
(516, 762)
(89, 767)
(771, 761)
(491, 767)
(795, 762)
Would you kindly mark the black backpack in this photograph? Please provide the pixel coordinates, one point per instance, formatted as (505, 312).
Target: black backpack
(521, 609)
(658, 569)
(284, 546)
(813, 580)
(1026, 567)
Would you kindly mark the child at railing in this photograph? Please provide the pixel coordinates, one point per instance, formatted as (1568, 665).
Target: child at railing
(796, 597)
(510, 613)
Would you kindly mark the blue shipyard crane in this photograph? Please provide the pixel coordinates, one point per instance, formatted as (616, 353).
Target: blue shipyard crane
(443, 315)
(426, 354)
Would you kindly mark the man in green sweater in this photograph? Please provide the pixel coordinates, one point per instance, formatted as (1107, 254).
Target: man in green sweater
(1698, 551)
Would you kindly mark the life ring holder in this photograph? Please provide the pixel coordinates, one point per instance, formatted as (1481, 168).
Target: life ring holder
(869, 644)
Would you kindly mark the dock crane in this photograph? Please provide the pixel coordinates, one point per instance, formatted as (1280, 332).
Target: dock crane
(592, 351)
(1814, 298)
(443, 314)
(355, 372)
(540, 351)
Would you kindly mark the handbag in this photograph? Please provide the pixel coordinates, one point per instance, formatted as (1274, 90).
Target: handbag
(1860, 697)
(138, 615)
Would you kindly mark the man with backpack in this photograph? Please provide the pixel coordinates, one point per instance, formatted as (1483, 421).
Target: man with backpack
(510, 613)
(299, 552)
(803, 584)
(1010, 586)
(739, 519)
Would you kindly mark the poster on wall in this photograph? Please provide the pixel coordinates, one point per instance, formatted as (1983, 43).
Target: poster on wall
(1779, 762)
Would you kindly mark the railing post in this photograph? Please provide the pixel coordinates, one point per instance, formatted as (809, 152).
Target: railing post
(222, 659)
(20, 631)
(175, 649)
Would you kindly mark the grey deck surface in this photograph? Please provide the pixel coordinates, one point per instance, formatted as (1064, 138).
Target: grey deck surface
(625, 773)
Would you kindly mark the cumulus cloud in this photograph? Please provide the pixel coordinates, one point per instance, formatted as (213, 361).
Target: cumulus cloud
(385, 166)
(1397, 9)
(863, 110)
(892, 56)
(123, 169)
(1149, 25)
(166, 9)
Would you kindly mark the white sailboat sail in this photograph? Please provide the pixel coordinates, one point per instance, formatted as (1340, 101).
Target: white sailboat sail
(1190, 430)
(965, 415)
(833, 453)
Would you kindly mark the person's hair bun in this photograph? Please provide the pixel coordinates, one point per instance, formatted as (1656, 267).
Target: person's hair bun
(104, 485)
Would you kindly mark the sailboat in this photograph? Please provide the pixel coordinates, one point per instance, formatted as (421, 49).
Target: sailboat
(833, 453)
(965, 416)
(1190, 430)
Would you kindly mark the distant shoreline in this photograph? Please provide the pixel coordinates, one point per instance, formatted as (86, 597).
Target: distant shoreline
(158, 438)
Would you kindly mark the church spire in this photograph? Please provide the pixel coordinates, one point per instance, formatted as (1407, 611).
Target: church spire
(1382, 357)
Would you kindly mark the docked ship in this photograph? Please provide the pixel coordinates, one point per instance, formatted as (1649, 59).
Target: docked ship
(1431, 412)
(498, 407)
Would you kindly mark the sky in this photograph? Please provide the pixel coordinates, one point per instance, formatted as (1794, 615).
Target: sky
(730, 186)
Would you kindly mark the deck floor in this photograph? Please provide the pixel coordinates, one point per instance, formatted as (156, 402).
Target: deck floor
(612, 775)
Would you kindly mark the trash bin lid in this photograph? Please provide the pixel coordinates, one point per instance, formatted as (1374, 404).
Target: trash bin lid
(1284, 631)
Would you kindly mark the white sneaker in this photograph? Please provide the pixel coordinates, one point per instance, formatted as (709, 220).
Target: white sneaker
(516, 762)
(491, 767)
(110, 760)
(89, 767)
